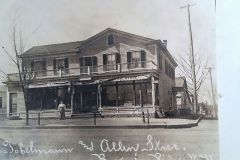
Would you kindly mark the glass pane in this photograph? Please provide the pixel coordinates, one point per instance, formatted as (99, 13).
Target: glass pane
(61, 64)
(88, 61)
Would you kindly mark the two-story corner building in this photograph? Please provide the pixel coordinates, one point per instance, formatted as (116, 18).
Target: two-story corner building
(107, 70)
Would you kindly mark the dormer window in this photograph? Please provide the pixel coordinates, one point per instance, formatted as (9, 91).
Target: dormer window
(110, 40)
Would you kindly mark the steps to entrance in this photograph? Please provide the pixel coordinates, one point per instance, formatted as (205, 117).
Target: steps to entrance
(127, 111)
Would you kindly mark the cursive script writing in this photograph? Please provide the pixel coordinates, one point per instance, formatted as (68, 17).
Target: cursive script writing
(31, 149)
(107, 146)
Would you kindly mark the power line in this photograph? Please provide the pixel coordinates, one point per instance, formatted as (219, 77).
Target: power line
(3, 72)
(5, 51)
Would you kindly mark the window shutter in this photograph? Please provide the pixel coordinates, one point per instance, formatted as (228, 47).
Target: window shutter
(94, 61)
(166, 67)
(32, 65)
(160, 61)
(118, 58)
(173, 74)
(104, 59)
(54, 64)
(66, 64)
(143, 58)
(44, 65)
(81, 62)
(129, 57)
(143, 55)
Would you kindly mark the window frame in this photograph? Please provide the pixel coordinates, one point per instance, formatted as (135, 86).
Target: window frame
(1, 102)
(112, 39)
(84, 67)
(42, 64)
(56, 68)
(139, 63)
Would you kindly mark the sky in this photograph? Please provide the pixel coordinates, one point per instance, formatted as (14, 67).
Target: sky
(57, 21)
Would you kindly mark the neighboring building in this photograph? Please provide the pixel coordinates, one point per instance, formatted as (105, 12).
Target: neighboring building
(106, 70)
(3, 100)
(183, 99)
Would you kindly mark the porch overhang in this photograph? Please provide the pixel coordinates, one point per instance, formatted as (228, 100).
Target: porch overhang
(132, 78)
(46, 85)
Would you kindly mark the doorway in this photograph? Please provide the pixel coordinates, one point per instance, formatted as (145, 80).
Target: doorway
(85, 99)
(12, 104)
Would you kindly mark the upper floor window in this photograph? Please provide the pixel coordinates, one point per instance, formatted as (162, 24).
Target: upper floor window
(160, 61)
(169, 70)
(166, 67)
(39, 67)
(110, 39)
(87, 63)
(110, 61)
(61, 66)
(136, 59)
(1, 102)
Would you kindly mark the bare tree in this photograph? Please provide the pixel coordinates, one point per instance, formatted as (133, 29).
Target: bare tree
(25, 75)
(186, 67)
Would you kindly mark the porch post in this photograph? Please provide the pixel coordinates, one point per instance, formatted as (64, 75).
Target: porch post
(134, 93)
(100, 95)
(146, 92)
(153, 91)
(41, 93)
(117, 94)
(72, 98)
(81, 98)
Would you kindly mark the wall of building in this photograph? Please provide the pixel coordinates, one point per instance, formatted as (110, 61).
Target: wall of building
(20, 98)
(73, 62)
(166, 99)
(3, 95)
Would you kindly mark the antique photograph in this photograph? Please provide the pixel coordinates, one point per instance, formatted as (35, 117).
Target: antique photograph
(108, 80)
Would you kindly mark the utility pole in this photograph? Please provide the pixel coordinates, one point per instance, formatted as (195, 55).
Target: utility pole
(192, 61)
(213, 96)
(215, 5)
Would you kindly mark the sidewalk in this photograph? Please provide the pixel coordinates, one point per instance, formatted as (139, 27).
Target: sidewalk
(133, 122)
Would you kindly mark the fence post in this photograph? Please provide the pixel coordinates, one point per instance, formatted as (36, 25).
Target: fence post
(88, 70)
(148, 117)
(94, 116)
(27, 118)
(141, 103)
(117, 110)
(38, 118)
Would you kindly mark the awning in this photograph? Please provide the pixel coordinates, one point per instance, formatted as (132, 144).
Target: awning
(45, 85)
(135, 78)
(179, 95)
(93, 82)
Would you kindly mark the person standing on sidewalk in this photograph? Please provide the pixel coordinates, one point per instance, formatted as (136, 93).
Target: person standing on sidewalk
(61, 110)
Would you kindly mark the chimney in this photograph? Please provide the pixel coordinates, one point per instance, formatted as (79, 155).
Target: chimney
(165, 43)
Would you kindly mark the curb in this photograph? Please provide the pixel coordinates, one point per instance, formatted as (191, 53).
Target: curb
(174, 126)
(189, 125)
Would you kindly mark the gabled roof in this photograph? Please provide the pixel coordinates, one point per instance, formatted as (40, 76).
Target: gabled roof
(75, 46)
(111, 30)
(53, 48)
